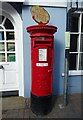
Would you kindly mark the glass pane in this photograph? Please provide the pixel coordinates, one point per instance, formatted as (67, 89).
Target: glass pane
(2, 57)
(81, 62)
(1, 35)
(73, 43)
(8, 24)
(10, 46)
(82, 23)
(11, 57)
(2, 47)
(72, 61)
(1, 28)
(10, 35)
(81, 46)
(1, 19)
(75, 22)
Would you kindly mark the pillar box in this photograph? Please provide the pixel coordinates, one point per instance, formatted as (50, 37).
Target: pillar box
(42, 59)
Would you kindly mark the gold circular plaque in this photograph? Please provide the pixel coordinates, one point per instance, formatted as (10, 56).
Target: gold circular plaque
(40, 15)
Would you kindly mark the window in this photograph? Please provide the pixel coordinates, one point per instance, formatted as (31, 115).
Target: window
(7, 40)
(76, 42)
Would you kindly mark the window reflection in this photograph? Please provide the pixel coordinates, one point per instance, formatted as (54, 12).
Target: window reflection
(82, 23)
(81, 44)
(11, 57)
(2, 47)
(73, 43)
(10, 46)
(1, 19)
(81, 62)
(1, 28)
(74, 22)
(1, 35)
(2, 57)
(72, 61)
(8, 24)
(10, 35)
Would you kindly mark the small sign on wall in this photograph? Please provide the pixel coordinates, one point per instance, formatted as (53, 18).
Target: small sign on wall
(67, 40)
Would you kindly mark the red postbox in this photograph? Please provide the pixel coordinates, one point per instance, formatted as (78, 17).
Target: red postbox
(42, 59)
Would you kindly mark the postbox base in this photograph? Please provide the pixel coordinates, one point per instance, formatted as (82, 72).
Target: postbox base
(41, 105)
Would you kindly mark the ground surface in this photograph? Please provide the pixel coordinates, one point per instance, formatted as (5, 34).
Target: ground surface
(19, 107)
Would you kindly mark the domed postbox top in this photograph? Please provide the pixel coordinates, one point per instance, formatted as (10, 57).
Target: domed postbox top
(41, 29)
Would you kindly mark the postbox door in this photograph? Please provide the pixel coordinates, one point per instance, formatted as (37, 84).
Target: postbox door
(42, 72)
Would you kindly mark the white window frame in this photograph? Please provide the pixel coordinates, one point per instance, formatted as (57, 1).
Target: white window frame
(77, 72)
(8, 11)
(5, 40)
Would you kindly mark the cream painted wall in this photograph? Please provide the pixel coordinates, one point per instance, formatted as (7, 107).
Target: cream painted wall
(57, 3)
(61, 3)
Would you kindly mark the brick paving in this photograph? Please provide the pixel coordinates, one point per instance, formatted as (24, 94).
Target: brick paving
(18, 107)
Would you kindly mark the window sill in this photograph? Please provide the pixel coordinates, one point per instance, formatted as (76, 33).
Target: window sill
(74, 73)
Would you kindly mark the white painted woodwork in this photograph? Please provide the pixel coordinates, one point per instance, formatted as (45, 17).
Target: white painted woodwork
(11, 77)
(79, 33)
(12, 0)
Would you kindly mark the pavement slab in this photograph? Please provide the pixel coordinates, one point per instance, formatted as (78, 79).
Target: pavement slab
(19, 107)
(26, 113)
(9, 103)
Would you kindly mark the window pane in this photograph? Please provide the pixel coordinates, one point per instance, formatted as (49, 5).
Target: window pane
(10, 46)
(8, 24)
(1, 28)
(10, 35)
(11, 57)
(1, 19)
(81, 62)
(72, 61)
(81, 46)
(74, 22)
(1, 35)
(2, 57)
(82, 23)
(2, 47)
(73, 43)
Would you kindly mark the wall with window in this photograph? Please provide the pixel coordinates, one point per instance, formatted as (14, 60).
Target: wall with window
(7, 36)
(76, 52)
(76, 42)
(7, 40)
